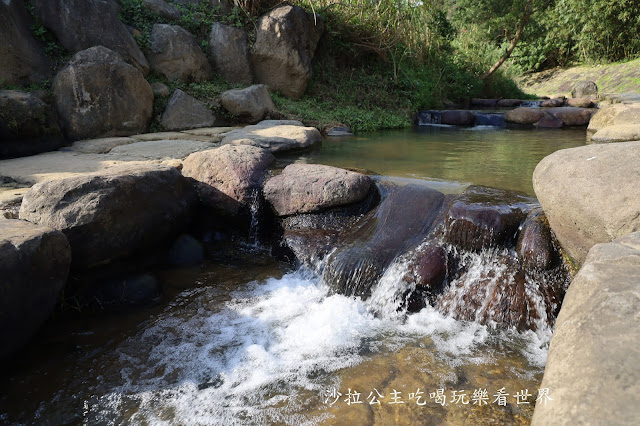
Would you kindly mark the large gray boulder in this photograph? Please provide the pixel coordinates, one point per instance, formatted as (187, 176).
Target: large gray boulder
(81, 24)
(22, 60)
(250, 104)
(98, 94)
(590, 194)
(175, 54)
(592, 369)
(584, 88)
(27, 125)
(617, 133)
(275, 135)
(228, 178)
(304, 188)
(229, 52)
(34, 264)
(286, 41)
(115, 213)
(186, 112)
(615, 114)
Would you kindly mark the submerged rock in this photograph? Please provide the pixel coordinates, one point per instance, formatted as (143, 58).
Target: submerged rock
(304, 188)
(486, 217)
(115, 213)
(34, 264)
(402, 220)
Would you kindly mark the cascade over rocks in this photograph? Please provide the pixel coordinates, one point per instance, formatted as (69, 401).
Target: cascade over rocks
(81, 24)
(27, 125)
(175, 54)
(458, 117)
(228, 48)
(34, 265)
(98, 94)
(250, 104)
(305, 188)
(22, 60)
(228, 178)
(590, 194)
(486, 217)
(275, 135)
(286, 41)
(186, 112)
(403, 219)
(115, 213)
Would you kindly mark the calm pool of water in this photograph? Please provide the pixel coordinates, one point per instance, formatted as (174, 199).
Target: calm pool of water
(482, 156)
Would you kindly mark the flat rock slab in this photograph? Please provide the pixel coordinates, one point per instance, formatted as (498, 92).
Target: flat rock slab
(98, 146)
(168, 136)
(615, 114)
(59, 164)
(592, 369)
(162, 149)
(304, 188)
(275, 138)
(210, 131)
(617, 133)
(590, 194)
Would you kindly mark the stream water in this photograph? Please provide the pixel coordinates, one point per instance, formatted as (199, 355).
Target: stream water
(245, 339)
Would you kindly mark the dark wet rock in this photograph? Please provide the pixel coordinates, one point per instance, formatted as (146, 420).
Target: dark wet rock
(98, 94)
(496, 291)
(509, 103)
(22, 60)
(228, 178)
(305, 188)
(403, 219)
(458, 118)
(81, 24)
(275, 135)
(186, 112)
(175, 54)
(552, 103)
(548, 121)
(429, 117)
(286, 40)
(228, 49)
(27, 125)
(185, 251)
(571, 116)
(584, 88)
(250, 104)
(535, 246)
(163, 9)
(430, 268)
(113, 214)
(34, 264)
(524, 115)
(484, 102)
(486, 217)
(495, 120)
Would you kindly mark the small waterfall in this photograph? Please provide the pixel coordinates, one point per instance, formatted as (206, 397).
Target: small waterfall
(531, 104)
(493, 120)
(253, 238)
(426, 118)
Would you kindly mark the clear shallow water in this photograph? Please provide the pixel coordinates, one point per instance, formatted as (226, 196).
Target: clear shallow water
(502, 158)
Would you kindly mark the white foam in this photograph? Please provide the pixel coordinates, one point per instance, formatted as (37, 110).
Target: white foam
(256, 357)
